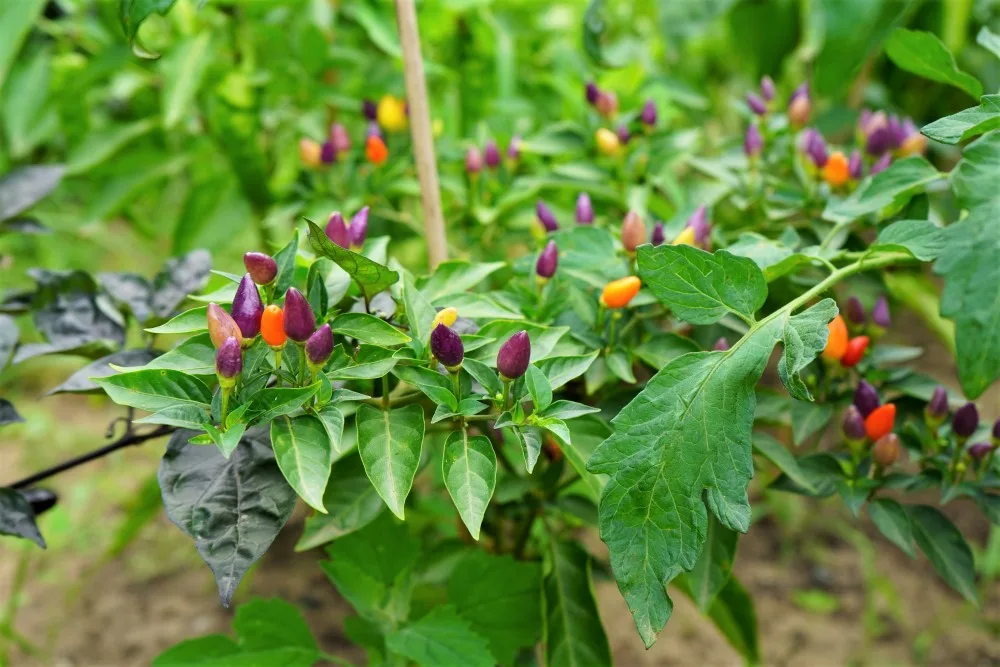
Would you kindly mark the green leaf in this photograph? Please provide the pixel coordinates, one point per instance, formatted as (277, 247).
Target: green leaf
(947, 550)
(989, 40)
(303, 452)
(543, 339)
(195, 355)
(530, 440)
(232, 509)
(661, 349)
(803, 337)
(16, 20)
(370, 276)
(574, 635)
(619, 363)
(974, 178)
(484, 375)
(734, 615)
(778, 454)
(925, 55)
(17, 518)
(285, 259)
(419, 311)
(714, 565)
(270, 624)
(971, 296)
(809, 418)
(469, 469)
(182, 73)
(439, 639)
(967, 123)
(100, 145)
(890, 188)
(434, 385)
(567, 410)
(154, 390)
(892, 520)
(181, 416)
(684, 437)
(274, 402)
(773, 258)
(921, 238)
(217, 649)
(368, 329)
(333, 421)
(378, 28)
(539, 388)
(456, 276)
(390, 443)
(350, 501)
(189, 321)
(560, 370)
(131, 14)
(701, 287)
(501, 598)
(371, 569)
(365, 371)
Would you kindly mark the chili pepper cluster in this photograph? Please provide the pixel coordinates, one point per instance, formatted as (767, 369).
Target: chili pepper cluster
(390, 114)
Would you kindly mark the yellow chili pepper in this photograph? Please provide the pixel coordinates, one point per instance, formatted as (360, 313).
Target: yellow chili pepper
(607, 142)
(391, 114)
(445, 316)
(686, 237)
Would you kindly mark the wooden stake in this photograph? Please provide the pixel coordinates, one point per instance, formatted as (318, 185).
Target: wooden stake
(420, 132)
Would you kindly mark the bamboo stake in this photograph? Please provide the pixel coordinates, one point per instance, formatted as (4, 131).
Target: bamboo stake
(420, 132)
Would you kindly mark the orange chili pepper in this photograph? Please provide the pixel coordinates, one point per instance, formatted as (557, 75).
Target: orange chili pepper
(272, 326)
(309, 151)
(836, 170)
(618, 293)
(881, 421)
(836, 340)
(375, 150)
(855, 351)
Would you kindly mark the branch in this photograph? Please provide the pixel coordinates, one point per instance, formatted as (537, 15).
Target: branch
(130, 438)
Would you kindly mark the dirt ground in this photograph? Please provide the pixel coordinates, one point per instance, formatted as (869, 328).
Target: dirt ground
(828, 590)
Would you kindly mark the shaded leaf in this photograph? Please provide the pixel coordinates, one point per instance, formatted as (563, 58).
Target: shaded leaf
(925, 55)
(16, 516)
(439, 639)
(574, 635)
(892, 520)
(80, 381)
(350, 501)
(947, 550)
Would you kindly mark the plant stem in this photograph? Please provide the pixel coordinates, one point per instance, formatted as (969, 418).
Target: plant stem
(224, 410)
(302, 365)
(277, 366)
(506, 394)
(456, 384)
(385, 392)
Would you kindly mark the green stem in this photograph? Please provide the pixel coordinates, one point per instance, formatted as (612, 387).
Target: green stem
(302, 365)
(506, 395)
(615, 316)
(277, 366)
(456, 383)
(224, 410)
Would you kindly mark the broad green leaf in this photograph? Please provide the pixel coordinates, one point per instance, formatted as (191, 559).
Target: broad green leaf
(921, 238)
(270, 624)
(274, 402)
(456, 276)
(945, 547)
(377, 26)
(232, 509)
(351, 503)
(971, 296)
(684, 437)
(434, 385)
(195, 355)
(371, 569)
(778, 454)
(974, 178)
(701, 287)
(217, 649)
(469, 469)
(190, 321)
(511, 619)
(890, 188)
(560, 370)
(925, 55)
(803, 338)
(539, 388)
(80, 381)
(714, 565)
(773, 258)
(966, 124)
(16, 19)
(661, 349)
(481, 306)
(154, 390)
(574, 635)
(182, 72)
(892, 520)
(567, 410)
(390, 443)
(181, 416)
(439, 639)
(303, 451)
(620, 365)
(419, 311)
(484, 375)
(16, 516)
(543, 339)
(100, 145)
(333, 421)
(370, 276)
(809, 418)
(368, 329)
(131, 14)
(365, 371)
(989, 40)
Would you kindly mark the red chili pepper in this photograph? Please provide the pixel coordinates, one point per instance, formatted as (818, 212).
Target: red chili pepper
(855, 350)
(881, 421)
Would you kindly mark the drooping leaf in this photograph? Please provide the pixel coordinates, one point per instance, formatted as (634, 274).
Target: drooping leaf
(80, 381)
(8, 414)
(989, 40)
(892, 520)
(925, 55)
(155, 390)
(971, 296)
(530, 440)
(371, 276)
(734, 615)
(390, 443)
(232, 508)
(441, 638)
(351, 503)
(368, 329)
(182, 72)
(180, 277)
(303, 452)
(966, 124)
(714, 565)
(17, 518)
(72, 315)
(560, 370)
(511, 619)
(945, 547)
(469, 469)
(574, 635)
(23, 188)
(419, 311)
(803, 338)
